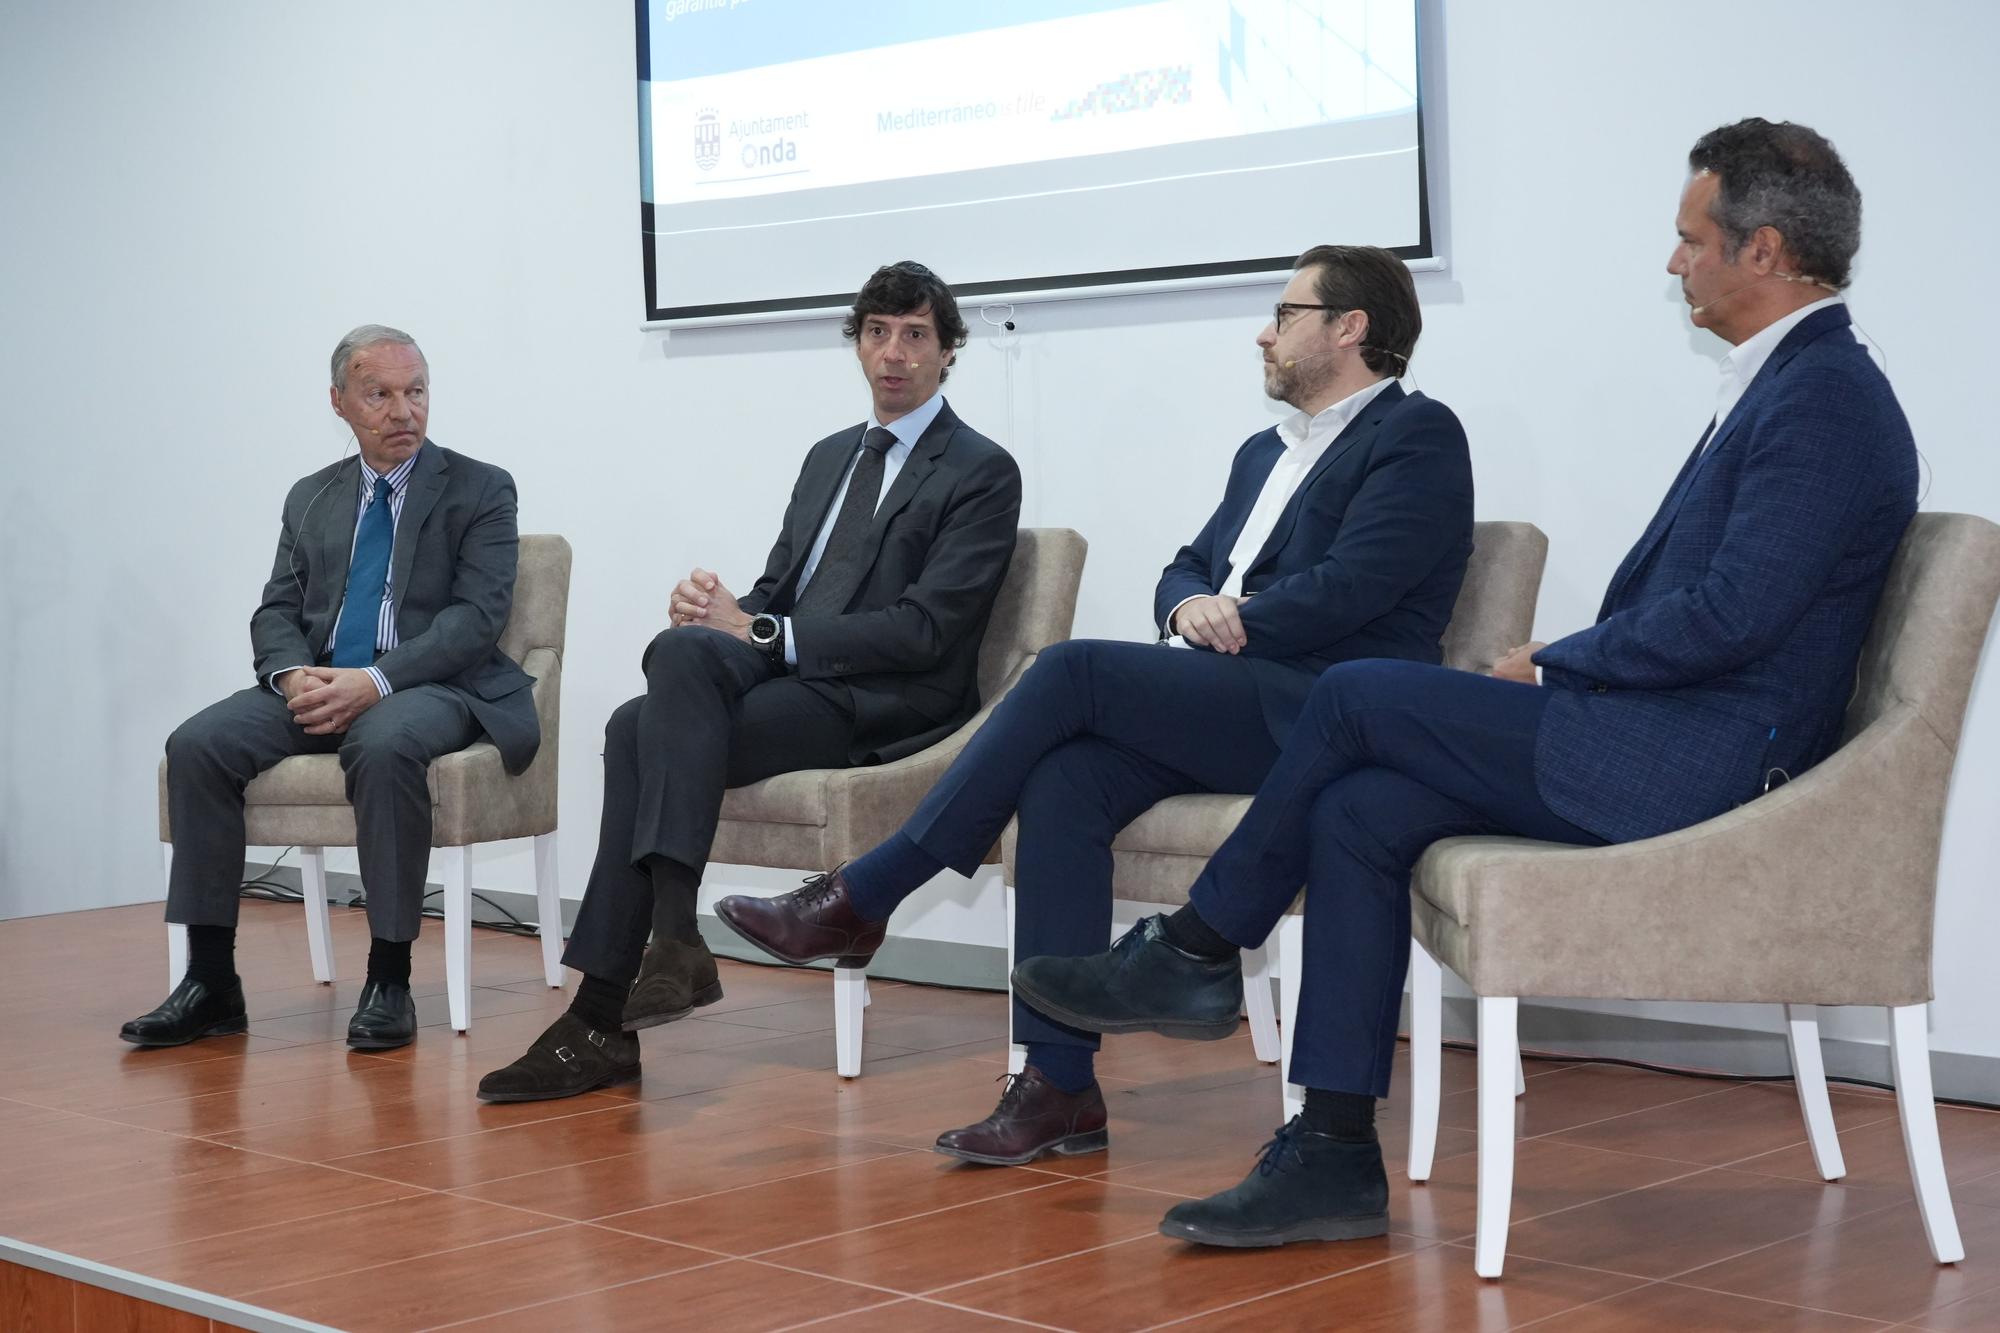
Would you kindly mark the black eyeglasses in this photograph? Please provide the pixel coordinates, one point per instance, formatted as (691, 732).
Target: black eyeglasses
(1278, 311)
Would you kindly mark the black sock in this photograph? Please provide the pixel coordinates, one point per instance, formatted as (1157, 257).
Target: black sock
(1346, 1116)
(674, 890)
(600, 1003)
(389, 962)
(212, 956)
(1070, 1068)
(1187, 932)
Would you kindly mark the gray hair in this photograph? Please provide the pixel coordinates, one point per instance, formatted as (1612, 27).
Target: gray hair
(367, 335)
(1789, 178)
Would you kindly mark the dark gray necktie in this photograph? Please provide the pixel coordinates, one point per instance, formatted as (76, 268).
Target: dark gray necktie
(846, 558)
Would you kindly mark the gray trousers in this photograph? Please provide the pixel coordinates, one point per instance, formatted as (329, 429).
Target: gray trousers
(213, 755)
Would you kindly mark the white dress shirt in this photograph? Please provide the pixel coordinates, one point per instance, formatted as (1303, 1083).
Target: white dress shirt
(907, 429)
(1306, 439)
(1745, 359)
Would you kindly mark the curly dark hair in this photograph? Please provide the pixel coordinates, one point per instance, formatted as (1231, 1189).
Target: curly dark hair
(1375, 282)
(1789, 178)
(903, 288)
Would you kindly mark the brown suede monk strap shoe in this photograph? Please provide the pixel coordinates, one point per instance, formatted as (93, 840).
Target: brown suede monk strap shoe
(569, 1059)
(1034, 1119)
(812, 922)
(674, 980)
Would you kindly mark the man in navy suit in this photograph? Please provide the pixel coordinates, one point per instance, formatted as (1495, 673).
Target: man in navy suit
(1343, 534)
(1721, 662)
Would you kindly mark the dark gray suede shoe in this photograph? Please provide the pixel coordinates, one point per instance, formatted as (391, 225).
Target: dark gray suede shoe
(1306, 1186)
(569, 1059)
(674, 980)
(1143, 984)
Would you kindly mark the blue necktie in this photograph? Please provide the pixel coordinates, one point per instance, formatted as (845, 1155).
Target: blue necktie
(367, 579)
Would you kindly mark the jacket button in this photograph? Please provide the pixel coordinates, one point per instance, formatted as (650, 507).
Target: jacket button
(1597, 689)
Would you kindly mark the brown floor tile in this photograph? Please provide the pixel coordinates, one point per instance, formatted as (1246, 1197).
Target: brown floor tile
(1152, 1280)
(1665, 1306)
(1744, 1121)
(1877, 1267)
(1431, 1289)
(1974, 1314)
(668, 1171)
(482, 1280)
(824, 1203)
(1876, 1160)
(361, 1083)
(981, 1239)
(915, 1316)
(1200, 1172)
(1549, 1177)
(1579, 1095)
(433, 1016)
(736, 1296)
(1684, 1223)
(437, 1114)
(117, 1076)
(239, 1262)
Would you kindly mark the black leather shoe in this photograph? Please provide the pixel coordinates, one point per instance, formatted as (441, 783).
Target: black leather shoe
(192, 1012)
(675, 979)
(812, 922)
(569, 1059)
(1035, 1118)
(385, 1018)
(1306, 1187)
(1143, 984)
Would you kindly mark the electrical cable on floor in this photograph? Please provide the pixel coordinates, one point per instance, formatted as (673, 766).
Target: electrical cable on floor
(1715, 1075)
(265, 889)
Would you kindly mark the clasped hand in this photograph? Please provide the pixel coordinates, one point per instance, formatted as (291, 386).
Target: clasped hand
(1212, 622)
(700, 599)
(1519, 664)
(326, 700)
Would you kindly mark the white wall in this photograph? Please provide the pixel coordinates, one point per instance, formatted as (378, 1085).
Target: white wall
(201, 197)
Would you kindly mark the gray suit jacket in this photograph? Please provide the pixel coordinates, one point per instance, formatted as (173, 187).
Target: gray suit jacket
(452, 574)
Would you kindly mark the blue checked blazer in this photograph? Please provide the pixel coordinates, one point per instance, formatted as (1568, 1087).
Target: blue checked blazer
(1727, 643)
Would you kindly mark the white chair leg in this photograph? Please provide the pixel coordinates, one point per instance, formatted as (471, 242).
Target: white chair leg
(1499, 1054)
(1257, 1004)
(548, 906)
(1520, 1073)
(1291, 935)
(177, 936)
(458, 934)
(1910, 1051)
(319, 930)
(1017, 1054)
(850, 989)
(1426, 1039)
(1809, 1075)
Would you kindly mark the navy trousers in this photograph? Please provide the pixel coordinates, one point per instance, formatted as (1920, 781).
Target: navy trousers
(1092, 736)
(1386, 758)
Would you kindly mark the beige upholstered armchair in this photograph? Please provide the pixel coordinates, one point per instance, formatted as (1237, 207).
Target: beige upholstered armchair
(302, 801)
(818, 818)
(1160, 854)
(1820, 892)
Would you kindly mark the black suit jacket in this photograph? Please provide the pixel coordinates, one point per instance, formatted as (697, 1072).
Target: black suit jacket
(1366, 558)
(452, 573)
(905, 653)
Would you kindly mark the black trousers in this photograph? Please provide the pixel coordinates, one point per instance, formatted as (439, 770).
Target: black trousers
(716, 714)
(213, 755)
(1093, 735)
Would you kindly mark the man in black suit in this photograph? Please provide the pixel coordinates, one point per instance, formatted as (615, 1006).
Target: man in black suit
(1343, 534)
(377, 639)
(859, 644)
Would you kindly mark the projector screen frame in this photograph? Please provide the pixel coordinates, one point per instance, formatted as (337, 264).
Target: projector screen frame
(1426, 255)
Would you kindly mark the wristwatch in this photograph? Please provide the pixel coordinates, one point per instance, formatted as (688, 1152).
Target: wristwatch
(768, 633)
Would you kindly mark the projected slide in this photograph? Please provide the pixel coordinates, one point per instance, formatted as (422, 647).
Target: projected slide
(792, 144)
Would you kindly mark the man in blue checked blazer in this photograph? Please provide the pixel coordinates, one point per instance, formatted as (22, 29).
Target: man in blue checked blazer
(377, 640)
(1722, 660)
(1343, 534)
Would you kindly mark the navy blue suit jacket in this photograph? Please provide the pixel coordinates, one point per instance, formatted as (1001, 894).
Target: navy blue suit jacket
(1728, 640)
(1365, 560)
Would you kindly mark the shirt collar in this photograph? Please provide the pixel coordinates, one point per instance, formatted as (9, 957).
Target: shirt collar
(910, 427)
(1744, 360)
(1299, 431)
(398, 479)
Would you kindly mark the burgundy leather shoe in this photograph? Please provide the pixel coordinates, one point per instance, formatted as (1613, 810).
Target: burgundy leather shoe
(1034, 1119)
(810, 923)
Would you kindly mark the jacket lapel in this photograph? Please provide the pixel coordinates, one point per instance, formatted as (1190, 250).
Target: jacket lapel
(825, 471)
(1363, 427)
(426, 485)
(333, 529)
(923, 461)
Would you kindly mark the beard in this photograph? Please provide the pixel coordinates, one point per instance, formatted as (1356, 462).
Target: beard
(1297, 384)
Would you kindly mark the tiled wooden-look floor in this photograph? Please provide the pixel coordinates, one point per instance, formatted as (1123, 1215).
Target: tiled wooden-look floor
(743, 1185)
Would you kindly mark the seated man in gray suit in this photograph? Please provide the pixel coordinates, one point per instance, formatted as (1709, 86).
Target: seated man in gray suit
(859, 644)
(377, 640)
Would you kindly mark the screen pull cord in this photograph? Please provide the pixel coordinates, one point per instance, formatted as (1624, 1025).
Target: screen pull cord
(999, 316)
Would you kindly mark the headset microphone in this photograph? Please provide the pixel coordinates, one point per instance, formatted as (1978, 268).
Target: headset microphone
(1312, 356)
(1707, 306)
